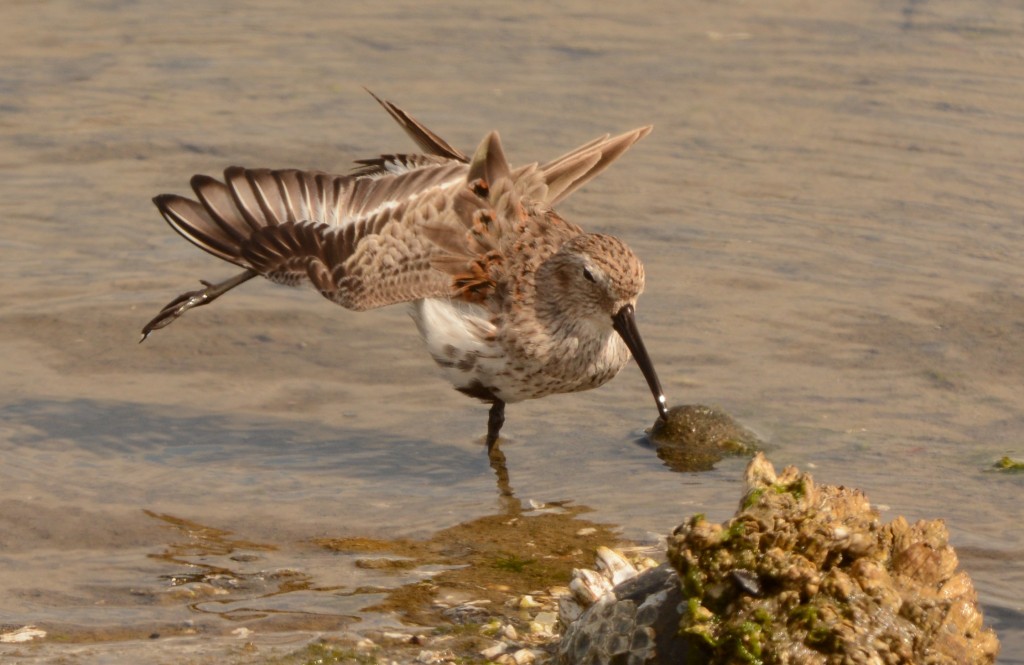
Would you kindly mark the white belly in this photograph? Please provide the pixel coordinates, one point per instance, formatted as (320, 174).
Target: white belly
(462, 340)
(466, 344)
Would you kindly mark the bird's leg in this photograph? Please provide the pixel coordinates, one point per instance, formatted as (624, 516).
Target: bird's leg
(187, 301)
(495, 419)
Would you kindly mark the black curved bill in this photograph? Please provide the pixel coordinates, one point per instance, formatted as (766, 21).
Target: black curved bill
(624, 323)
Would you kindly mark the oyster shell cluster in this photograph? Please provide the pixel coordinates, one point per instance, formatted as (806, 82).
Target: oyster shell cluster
(802, 574)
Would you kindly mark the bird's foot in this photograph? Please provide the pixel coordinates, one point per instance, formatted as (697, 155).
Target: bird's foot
(176, 308)
(198, 298)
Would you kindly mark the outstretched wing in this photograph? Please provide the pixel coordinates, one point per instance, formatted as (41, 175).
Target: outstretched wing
(354, 238)
(401, 227)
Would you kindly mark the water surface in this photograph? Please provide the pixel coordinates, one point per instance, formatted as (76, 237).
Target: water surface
(829, 211)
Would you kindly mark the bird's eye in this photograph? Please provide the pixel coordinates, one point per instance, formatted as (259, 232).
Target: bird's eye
(587, 275)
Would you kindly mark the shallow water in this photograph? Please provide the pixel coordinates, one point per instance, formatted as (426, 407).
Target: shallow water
(829, 211)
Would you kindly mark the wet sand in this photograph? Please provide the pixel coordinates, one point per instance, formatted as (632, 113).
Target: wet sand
(829, 211)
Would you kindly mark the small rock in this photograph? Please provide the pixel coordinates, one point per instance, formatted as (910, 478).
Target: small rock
(544, 623)
(491, 628)
(509, 633)
(524, 657)
(192, 591)
(694, 437)
(588, 585)
(527, 603)
(646, 564)
(490, 653)
(614, 566)
(429, 657)
(469, 612)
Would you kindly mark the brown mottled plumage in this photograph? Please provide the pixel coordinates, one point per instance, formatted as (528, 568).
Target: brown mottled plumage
(512, 300)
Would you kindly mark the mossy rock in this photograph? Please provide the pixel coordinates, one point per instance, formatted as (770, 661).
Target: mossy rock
(694, 437)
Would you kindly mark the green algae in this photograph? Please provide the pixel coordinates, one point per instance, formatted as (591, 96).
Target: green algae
(492, 558)
(1009, 465)
(806, 573)
(512, 563)
(323, 654)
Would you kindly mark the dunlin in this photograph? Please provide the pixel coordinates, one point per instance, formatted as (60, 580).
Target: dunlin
(513, 301)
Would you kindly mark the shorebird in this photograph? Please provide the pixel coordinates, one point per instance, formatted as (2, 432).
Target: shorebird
(513, 301)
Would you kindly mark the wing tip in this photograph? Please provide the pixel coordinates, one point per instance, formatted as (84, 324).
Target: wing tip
(574, 169)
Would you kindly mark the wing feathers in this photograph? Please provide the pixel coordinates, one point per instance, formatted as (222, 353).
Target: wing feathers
(489, 164)
(356, 239)
(190, 219)
(216, 198)
(423, 137)
(402, 227)
(574, 169)
(564, 177)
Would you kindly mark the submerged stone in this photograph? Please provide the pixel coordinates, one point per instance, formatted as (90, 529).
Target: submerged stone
(694, 437)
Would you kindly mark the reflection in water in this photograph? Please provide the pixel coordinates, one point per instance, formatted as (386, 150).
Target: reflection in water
(207, 579)
(224, 575)
(482, 564)
(497, 460)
